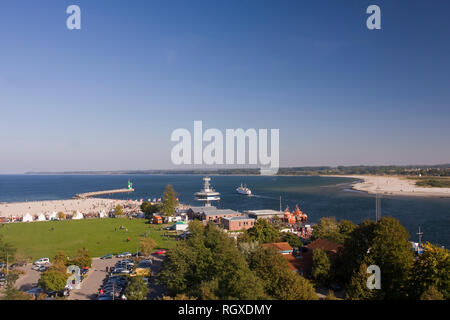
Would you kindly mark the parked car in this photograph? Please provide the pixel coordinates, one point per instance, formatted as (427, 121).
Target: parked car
(137, 254)
(159, 252)
(40, 268)
(35, 291)
(42, 261)
(124, 255)
(2, 265)
(107, 256)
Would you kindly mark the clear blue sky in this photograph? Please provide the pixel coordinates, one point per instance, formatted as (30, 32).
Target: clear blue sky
(109, 95)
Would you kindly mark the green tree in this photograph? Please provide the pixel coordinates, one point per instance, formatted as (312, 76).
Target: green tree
(355, 250)
(15, 294)
(279, 281)
(321, 267)
(7, 251)
(262, 231)
(170, 201)
(137, 289)
(328, 228)
(82, 258)
(53, 280)
(358, 290)
(61, 258)
(391, 251)
(149, 209)
(431, 269)
(292, 239)
(432, 293)
(118, 210)
(208, 265)
(146, 245)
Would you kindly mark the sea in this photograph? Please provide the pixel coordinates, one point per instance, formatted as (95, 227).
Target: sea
(316, 196)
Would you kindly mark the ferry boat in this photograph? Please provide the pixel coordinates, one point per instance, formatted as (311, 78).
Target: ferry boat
(244, 190)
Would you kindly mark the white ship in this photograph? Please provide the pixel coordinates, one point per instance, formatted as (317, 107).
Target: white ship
(244, 190)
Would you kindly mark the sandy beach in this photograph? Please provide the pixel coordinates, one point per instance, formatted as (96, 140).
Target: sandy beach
(393, 185)
(85, 206)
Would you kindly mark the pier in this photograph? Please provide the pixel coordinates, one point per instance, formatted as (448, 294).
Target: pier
(99, 193)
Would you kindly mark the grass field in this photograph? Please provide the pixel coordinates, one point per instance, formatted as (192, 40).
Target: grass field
(100, 236)
(433, 182)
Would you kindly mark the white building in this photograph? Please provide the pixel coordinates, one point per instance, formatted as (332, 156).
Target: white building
(77, 216)
(41, 217)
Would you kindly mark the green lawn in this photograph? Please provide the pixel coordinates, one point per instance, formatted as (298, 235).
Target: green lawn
(100, 236)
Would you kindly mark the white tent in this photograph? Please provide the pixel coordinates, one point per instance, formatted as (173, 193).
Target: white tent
(41, 217)
(77, 216)
(52, 216)
(102, 214)
(27, 218)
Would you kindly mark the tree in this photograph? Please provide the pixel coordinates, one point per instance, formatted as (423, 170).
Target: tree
(329, 228)
(432, 293)
(170, 201)
(15, 294)
(279, 281)
(292, 239)
(149, 209)
(358, 290)
(118, 210)
(391, 251)
(147, 245)
(209, 266)
(82, 258)
(262, 231)
(355, 250)
(137, 289)
(431, 269)
(60, 258)
(7, 251)
(321, 267)
(61, 215)
(53, 280)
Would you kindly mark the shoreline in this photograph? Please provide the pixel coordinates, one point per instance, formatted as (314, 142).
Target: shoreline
(393, 186)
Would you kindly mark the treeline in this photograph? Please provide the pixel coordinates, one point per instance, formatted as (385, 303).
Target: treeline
(434, 170)
(209, 266)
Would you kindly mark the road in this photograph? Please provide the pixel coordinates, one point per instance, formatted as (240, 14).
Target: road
(91, 284)
(29, 279)
(156, 291)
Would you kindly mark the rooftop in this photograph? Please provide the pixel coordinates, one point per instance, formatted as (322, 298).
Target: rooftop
(279, 246)
(264, 212)
(217, 212)
(238, 218)
(327, 245)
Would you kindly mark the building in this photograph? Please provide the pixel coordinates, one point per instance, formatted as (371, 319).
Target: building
(235, 223)
(211, 214)
(302, 262)
(283, 248)
(265, 214)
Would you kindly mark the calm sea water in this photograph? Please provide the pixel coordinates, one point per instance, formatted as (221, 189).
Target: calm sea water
(316, 196)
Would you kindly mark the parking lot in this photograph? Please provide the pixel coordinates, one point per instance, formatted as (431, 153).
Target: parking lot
(91, 284)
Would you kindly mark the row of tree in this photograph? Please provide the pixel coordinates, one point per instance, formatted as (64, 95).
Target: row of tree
(209, 265)
(385, 244)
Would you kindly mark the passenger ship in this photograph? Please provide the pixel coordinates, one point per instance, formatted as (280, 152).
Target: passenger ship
(244, 190)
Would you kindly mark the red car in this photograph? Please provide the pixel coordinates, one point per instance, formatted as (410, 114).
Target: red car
(160, 251)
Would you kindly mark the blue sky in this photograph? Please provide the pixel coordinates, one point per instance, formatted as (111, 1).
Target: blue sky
(109, 95)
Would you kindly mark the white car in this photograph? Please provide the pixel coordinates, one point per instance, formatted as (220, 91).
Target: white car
(42, 261)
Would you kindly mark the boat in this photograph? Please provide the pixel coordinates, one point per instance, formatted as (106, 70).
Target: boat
(244, 190)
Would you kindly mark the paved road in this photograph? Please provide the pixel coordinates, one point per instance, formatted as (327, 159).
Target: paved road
(91, 283)
(156, 291)
(29, 279)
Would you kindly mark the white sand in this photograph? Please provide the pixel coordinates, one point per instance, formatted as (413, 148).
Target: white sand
(394, 185)
(85, 206)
